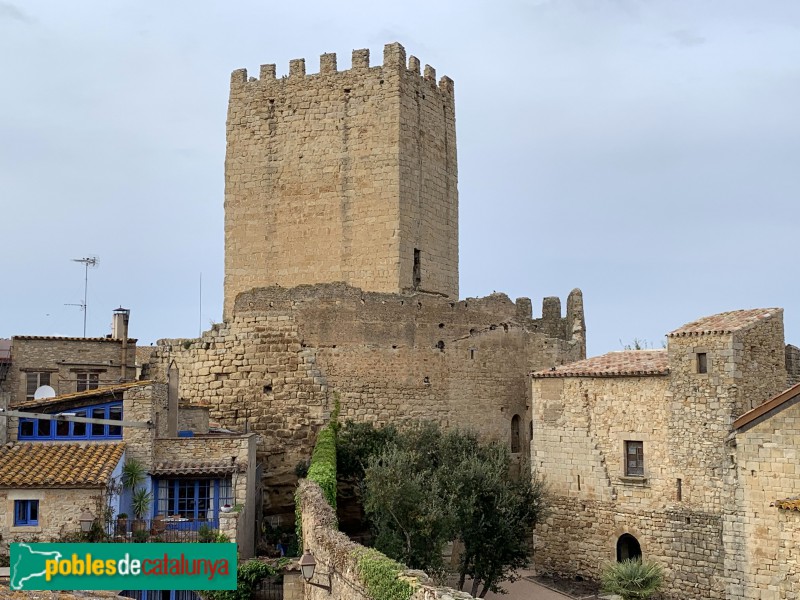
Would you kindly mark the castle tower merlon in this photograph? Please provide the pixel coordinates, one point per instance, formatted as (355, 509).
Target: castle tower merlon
(551, 308)
(430, 74)
(394, 57)
(297, 68)
(576, 321)
(414, 65)
(267, 72)
(239, 77)
(360, 59)
(446, 85)
(327, 63)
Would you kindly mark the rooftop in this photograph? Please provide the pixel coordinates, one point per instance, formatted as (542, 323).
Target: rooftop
(726, 322)
(59, 338)
(58, 464)
(100, 392)
(624, 363)
(193, 467)
(766, 407)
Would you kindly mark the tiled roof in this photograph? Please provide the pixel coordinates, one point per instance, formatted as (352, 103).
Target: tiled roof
(614, 364)
(193, 467)
(764, 408)
(59, 338)
(726, 322)
(788, 503)
(102, 391)
(41, 464)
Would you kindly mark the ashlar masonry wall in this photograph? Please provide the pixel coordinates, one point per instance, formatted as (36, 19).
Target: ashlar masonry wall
(342, 176)
(580, 428)
(761, 540)
(389, 357)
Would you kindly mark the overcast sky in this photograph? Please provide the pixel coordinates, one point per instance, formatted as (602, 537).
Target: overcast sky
(646, 151)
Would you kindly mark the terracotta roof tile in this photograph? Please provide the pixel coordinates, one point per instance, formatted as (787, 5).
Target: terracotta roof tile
(788, 503)
(726, 322)
(624, 363)
(60, 338)
(106, 390)
(193, 467)
(49, 464)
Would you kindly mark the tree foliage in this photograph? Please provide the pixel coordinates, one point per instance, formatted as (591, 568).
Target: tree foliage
(423, 488)
(633, 579)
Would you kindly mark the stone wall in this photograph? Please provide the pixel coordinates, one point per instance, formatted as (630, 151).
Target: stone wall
(63, 358)
(792, 365)
(59, 513)
(336, 554)
(579, 433)
(761, 540)
(272, 369)
(341, 176)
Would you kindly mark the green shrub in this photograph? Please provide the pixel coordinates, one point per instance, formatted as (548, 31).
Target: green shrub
(633, 579)
(323, 464)
(381, 575)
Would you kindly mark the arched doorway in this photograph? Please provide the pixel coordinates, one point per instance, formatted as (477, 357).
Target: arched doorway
(628, 547)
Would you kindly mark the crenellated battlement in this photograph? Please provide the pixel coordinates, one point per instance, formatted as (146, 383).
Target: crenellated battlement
(394, 61)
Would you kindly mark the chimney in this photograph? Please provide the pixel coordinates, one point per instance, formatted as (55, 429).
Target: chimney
(119, 331)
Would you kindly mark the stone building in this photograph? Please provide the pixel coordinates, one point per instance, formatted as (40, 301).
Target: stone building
(66, 455)
(67, 364)
(341, 273)
(640, 452)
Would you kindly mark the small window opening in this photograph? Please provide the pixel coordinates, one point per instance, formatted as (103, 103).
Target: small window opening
(426, 381)
(628, 548)
(472, 353)
(440, 345)
(679, 490)
(579, 483)
(441, 325)
(268, 388)
(634, 459)
(688, 520)
(515, 441)
(417, 269)
(702, 362)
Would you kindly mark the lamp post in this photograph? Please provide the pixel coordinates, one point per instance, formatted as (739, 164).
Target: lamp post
(307, 567)
(86, 520)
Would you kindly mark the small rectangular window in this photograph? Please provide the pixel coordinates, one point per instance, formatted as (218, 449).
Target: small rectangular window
(43, 428)
(34, 381)
(26, 512)
(87, 381)
(79, 429)
(26, 428)
(62, 429)
(702, 362)
(115, 414)
(634, 459)
(98, 430)
(417, 269)
(679, 491)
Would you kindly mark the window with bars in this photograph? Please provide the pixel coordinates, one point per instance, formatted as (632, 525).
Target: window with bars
(634, 459)
(87, 381)
(34, 381)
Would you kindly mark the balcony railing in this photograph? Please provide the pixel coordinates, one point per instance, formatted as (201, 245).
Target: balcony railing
(162, 529)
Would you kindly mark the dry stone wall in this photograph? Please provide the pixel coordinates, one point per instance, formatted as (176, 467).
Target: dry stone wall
(342, 176)
(390, 357)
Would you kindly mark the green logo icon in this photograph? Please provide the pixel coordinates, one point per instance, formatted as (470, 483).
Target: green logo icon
(123, 566)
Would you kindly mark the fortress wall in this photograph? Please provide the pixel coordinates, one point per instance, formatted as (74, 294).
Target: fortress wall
(273, 368)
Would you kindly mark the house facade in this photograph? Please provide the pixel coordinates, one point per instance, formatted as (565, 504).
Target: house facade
(636, 449)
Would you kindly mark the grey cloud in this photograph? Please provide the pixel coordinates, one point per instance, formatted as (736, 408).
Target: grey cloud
(14, 13)
(687, 38)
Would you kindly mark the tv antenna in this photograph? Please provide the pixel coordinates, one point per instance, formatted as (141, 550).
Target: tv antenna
(89, 261)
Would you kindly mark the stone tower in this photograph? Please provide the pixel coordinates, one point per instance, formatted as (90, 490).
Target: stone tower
(342, 176)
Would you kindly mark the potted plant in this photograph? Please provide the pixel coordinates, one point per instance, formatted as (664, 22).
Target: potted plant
(140, 503)
(122, 522)
(133, 474)
(226, 508)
